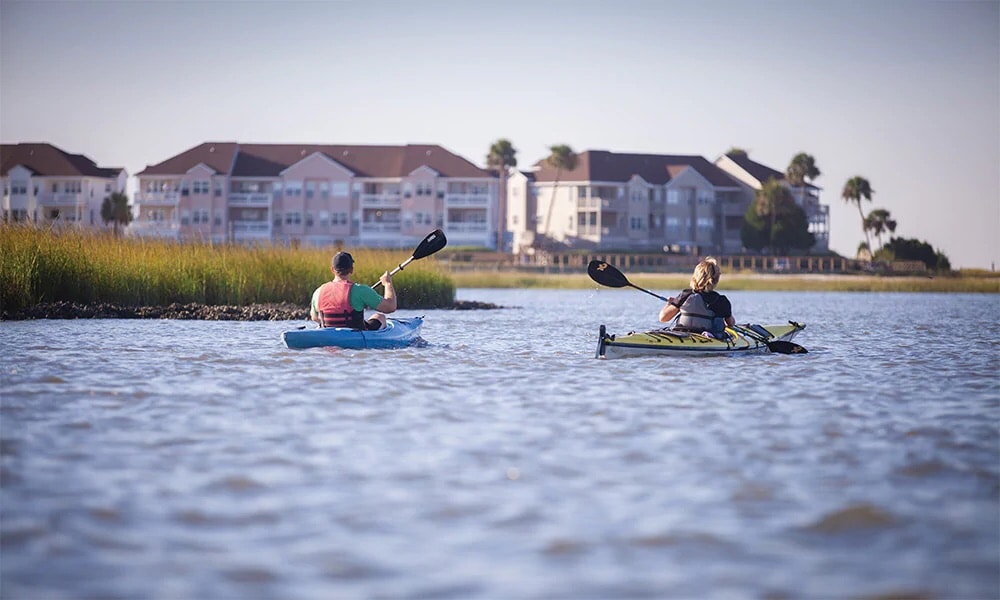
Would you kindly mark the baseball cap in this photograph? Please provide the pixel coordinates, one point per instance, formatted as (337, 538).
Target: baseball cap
(343, 261)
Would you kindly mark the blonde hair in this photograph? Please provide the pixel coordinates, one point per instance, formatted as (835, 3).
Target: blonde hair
(706, 275)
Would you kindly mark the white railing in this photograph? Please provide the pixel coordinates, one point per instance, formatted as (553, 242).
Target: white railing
(250, 227)
(58, 199)
(164, 198)
(154, 228)
(381, 200)
(476, 227)
(380, 227)
(253, 199)
(467, 200)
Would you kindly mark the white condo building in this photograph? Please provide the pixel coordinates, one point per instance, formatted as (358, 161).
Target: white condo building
(43, 184)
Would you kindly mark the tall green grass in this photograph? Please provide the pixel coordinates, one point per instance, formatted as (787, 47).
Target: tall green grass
(43, 265)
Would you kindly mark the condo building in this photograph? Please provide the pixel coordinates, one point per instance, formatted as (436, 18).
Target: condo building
(636, 202)
(44, 184)
(312, 194)
(644, 202)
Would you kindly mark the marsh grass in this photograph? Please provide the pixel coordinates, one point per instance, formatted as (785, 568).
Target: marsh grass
(42, 265)
(739, 281)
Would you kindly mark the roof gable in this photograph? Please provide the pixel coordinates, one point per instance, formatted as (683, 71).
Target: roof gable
(318, 162)
(656, 169)
(46, 160)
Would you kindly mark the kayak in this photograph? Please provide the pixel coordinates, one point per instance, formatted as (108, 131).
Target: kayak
(666, 342)
(397, 333)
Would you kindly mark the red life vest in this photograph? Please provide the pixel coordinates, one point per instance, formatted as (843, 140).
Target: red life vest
(334, 306)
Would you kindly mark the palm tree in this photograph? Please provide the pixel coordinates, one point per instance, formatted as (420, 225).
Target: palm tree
(115, 210)
(772, 199)
(802, 167)
(561, 157)
(878, 222)
(502, 157)
(857, 189)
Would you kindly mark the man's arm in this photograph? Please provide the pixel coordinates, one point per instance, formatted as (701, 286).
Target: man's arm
(388, 303)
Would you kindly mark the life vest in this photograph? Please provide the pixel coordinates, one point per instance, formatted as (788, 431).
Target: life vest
(697, 315)
(334, 306)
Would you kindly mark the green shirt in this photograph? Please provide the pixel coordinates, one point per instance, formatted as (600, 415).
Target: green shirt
(360, 297)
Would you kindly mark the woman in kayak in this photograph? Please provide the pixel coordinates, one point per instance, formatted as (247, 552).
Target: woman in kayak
(701, 309)
(342, 303)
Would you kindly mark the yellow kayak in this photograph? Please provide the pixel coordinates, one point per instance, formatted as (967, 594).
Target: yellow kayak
(666, 342)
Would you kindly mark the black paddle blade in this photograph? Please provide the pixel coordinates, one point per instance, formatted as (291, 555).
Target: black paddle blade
(783, 347)
(434, 241)
(605, 274)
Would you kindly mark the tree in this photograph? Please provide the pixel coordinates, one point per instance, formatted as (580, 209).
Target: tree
(771, 199)
(561, 157)
(914, 249)
(502, 156)
(878, 222)
(116, 210)
(775, 221)
(803, 167)
(736, 151)
(855, 190)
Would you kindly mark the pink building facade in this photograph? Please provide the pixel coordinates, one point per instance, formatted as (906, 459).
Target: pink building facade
(316, 195)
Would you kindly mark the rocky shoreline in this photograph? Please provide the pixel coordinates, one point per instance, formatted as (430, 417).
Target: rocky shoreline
(285, 311)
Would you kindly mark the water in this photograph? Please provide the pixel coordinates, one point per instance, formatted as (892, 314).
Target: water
(169, 459)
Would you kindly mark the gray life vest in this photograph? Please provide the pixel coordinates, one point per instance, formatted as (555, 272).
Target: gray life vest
(696, 315)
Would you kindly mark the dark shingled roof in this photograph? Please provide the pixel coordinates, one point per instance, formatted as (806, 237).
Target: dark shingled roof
(45, 160)
(657, 169)
(269, 160)
(758, 171)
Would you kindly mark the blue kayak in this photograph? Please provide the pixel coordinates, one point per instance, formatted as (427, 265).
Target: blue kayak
(398, 333)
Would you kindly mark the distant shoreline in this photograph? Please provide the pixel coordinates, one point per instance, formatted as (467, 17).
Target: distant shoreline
(788, 282)
(284, 311)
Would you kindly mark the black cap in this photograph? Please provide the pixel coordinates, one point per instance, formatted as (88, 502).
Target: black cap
(342, 261)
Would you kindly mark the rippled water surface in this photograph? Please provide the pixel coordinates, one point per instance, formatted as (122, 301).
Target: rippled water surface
(172, 459)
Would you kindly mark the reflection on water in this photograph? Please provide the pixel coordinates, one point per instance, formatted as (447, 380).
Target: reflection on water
(203, 459)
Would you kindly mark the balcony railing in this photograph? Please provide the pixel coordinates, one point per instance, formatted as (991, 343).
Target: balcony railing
(380, 227)
(381, 200)
(158, 198)
(477, 200)
(460, 227)
(252, 199)
(250, 228)
(154, 228)
(58, 199)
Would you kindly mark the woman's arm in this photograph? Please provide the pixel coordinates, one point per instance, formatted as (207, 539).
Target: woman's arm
(669, 311)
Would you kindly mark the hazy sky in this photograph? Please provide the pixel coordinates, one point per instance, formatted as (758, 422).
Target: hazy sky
(904, 93)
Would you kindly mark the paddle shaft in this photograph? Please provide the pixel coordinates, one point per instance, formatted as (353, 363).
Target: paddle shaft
(394, 271)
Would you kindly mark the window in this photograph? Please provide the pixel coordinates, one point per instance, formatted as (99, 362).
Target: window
(673, 196)
(277, 219)
(340, 189)
(185, 217)
(324, 219)
(673, 223)
(55, 188)
(309, 220)
(636, 223)
(293, 188)
(310, 189)
(706, 223)
(107, 187)
(293, 218)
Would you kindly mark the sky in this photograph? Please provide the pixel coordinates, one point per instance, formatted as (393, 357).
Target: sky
(905, 93)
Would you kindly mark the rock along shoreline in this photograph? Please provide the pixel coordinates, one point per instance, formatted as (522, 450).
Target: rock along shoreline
(285, 311)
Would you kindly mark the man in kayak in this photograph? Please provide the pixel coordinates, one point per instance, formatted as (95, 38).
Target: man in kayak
(701, 309)
(342, 303)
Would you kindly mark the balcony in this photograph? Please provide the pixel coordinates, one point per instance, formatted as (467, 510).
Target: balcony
(250, 229)
(381, 200)
(469, 227)
(158, 198)
(154, 229)
(251, 199)
(467, 200)
(59, 199)
(383, 227)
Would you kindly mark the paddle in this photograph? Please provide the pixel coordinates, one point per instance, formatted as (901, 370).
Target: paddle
(607, 275)
(434, 241)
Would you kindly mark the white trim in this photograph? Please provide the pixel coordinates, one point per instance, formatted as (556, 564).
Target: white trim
(324, 157)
